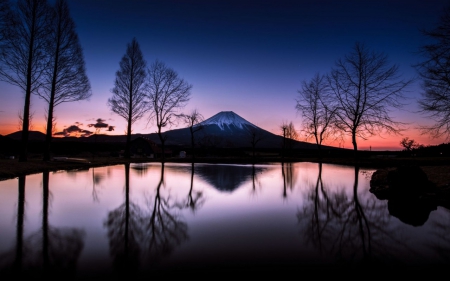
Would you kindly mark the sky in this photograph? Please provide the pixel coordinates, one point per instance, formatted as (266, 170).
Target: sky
(249, 57)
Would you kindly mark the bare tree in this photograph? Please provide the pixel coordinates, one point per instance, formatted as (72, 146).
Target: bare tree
(65, 77)
(365, 89)
(167, 93)
(30, 121)
(409, 144)
(434, 73)
(192, 120)
(289, 135)
(23, 57)
(129, 100)
(255, 136)
(317, 111)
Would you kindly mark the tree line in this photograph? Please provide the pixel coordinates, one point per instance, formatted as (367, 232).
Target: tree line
(357, 97)
(40, 53)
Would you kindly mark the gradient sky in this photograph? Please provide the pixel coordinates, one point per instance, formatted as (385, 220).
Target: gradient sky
(245, 56)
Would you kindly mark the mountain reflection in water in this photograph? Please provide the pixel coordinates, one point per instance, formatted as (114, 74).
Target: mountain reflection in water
(139, 220)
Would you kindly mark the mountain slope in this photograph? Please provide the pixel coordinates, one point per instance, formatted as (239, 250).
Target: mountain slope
(227, 129)
(224, 129)
(227, 119)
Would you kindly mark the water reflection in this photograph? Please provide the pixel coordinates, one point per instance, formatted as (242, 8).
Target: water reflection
(49, 251)
(227, 178)
(177, 216)
(164, 227)
(195, 199)
(125, 232)
(289, 177)
(351, 230)
(11, 261)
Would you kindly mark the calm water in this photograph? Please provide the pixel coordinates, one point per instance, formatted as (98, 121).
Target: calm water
(144, 219)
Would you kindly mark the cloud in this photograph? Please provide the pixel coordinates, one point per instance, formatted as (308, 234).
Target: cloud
(100, 124)
(74, 130)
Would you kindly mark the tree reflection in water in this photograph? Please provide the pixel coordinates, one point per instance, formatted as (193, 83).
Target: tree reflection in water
(289, 177)
(164, 230)
(97, 178)
(60, 248)
(50, 251)
(195, 199)
(353, 232)
(11, 262)
(125, 232)
(442, 245)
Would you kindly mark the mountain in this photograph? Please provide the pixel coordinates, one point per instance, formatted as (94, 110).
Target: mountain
(32, 136)
(228, 129)
(224, 129)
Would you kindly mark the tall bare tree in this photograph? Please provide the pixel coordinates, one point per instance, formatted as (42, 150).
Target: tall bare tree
(317, 111)
(192, 120)
(365, 89)
(23, 57)
(167, 93)
(65, 77)
(129, 98)
(434, 72)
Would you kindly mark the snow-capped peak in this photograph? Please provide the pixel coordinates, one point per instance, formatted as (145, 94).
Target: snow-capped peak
(225, 119)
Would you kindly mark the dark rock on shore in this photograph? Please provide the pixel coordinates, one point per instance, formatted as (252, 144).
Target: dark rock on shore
(411, 195)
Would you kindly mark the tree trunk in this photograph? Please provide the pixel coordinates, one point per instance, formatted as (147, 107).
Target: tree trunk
(161, 138)
(48, 134)
(355, 145)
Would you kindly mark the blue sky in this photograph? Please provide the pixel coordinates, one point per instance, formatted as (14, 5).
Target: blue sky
(249, 57)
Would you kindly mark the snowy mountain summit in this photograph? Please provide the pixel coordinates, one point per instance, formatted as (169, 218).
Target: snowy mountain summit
(226, 119)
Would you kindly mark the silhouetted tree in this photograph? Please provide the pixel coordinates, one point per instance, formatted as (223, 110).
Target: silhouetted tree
(255, 137)
(167, 93)
(289, 135)
(192, 120)
(128, 100)
(65, 77)
(365, 88)
(23, 57)
(408, 144)
(317, 111)
(434, 72)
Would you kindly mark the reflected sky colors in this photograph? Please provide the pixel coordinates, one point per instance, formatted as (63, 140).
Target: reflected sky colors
(142, 218)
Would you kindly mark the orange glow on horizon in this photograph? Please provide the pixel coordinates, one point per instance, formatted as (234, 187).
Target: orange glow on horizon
(375, 143)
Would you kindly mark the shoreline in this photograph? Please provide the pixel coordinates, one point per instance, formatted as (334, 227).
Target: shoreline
(12, 168)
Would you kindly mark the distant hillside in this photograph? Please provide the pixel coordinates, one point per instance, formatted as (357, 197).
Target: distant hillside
(33, 136)
(225, 129)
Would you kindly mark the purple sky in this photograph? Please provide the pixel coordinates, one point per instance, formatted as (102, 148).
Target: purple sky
(249, 57)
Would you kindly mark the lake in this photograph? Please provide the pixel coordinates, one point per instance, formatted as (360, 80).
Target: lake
(146, 219)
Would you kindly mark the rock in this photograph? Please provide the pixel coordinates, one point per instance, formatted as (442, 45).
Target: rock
(412, 211)
(404, 188)
(409, 181)
(404, 181)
